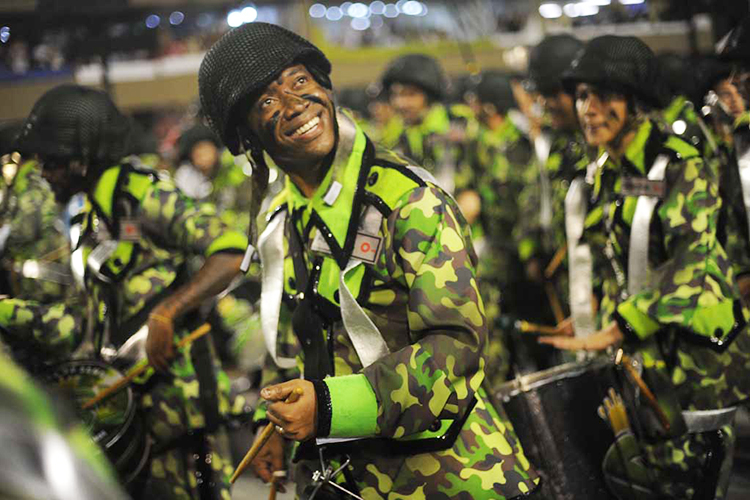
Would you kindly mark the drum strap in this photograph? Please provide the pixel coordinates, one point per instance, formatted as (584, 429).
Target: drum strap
(201, 356)
(638, 265)
(580, 264)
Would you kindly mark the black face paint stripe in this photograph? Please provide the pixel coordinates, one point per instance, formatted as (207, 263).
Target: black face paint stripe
(270, 125)
(313, 98)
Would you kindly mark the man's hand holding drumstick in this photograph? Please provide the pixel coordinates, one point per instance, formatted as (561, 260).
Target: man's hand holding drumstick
(297, 420)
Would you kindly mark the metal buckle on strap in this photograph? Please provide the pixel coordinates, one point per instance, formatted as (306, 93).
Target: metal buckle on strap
(708, 420)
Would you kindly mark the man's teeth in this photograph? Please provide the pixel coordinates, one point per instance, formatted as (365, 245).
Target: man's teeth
(307, 126)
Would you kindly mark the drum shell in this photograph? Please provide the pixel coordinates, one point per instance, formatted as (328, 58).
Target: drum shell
(126, 443)
(554, 413)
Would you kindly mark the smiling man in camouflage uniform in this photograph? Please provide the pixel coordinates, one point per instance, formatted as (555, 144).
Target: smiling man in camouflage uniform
(375, 264)
(137, 233)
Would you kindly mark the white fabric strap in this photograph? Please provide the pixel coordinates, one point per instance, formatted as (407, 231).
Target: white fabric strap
(271, 249)
(580, 264)
(743, 163)
(542, 148)
(638, 267)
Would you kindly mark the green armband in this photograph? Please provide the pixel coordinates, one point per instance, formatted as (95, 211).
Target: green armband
(354, 407)
(641, 324)
(229, 240)
(526, 248)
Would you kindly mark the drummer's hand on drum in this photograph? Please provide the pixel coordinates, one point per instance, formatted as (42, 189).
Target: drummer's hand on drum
(160, 341)
(610, 335)
(270, 459)
(296, 420)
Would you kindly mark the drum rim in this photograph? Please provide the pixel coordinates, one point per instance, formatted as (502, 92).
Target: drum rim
(131, 407)
(531, 381)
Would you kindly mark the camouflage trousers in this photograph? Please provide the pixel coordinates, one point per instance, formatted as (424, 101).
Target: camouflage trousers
(690, 466)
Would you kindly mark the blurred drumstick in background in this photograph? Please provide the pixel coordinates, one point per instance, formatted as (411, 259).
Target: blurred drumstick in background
(527, 327)
(627, 362)
(555, 262)
(263, 439)
(278, 476)
(141, 367)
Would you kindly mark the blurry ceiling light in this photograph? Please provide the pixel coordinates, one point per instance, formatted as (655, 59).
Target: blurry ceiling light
(597, 2)
(550, 10)
(4, 29)
(377, 7)
(4, 36)
(249, 14)
(412, 8)
(203, 20)
(176, 18)
(317, 10)
(234, 18)
(679, 127)
(360, 23)
(358, 10)
(424, 9)
(334, 13)
(631, 2)
(376, 22)
(153, 21)
(571, 10)
(587, 9)
(390, 10)
(400, 5)
(345, 7)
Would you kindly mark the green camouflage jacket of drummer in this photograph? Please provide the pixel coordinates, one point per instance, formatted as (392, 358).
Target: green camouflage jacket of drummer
(158, 229)
(29, 212)
(440, 142)
(720, 155)
(688, 323)
(533, 237)
(417, 285)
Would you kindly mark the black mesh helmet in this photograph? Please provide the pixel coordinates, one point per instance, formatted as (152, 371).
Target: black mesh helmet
(621, 63)
(549, 60)
(242, 63)
(735, 46)
(8, 137)
(71, 121)
(494, 88)
(193, 136)
(419, 70)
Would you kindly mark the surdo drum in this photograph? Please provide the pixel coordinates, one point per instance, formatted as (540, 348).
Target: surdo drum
(113, 423)
(554, 413)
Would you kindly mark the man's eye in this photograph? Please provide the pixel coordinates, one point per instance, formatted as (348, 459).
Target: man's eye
(302, 79)
(264, 103)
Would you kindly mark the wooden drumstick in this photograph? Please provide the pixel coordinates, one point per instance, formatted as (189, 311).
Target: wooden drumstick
(278, 476)
(555, 262)
(653, 403)
(141, 366)
(263, 439)
(526, 327)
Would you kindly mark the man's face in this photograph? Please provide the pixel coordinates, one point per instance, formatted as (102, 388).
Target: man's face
(205, 156)
(294, 118)
(64, 183)
(560, 109)
(730, 97)
(602, 114)
(410, 102)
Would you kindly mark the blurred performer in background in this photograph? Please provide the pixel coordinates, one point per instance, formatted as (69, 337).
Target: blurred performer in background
(725, 114)
(558, 150)
(489, 202)
(435, 136)
(374, 262)
(648, 210)
(138, 232)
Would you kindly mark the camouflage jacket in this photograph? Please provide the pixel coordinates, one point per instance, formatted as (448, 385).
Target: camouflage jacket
(138, 229)
(417, 286)
(687, 323)
(441, 143)
(35, 245)
(536, 237)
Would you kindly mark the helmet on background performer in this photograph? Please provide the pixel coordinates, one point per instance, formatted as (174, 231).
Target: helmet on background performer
(77, 132)
(547, 63)
(414, 83)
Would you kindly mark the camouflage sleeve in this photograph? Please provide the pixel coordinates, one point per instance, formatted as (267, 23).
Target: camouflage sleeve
(694, 289)
(53, 330)
(35, 216)
(178, 222)
(437, 375)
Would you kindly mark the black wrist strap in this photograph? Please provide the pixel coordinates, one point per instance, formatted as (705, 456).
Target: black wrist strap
(325, 410)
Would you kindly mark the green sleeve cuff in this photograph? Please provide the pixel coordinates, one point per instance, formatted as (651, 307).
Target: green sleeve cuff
(354, 406)
(640, 323)
(230, 240)
(261, 411)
